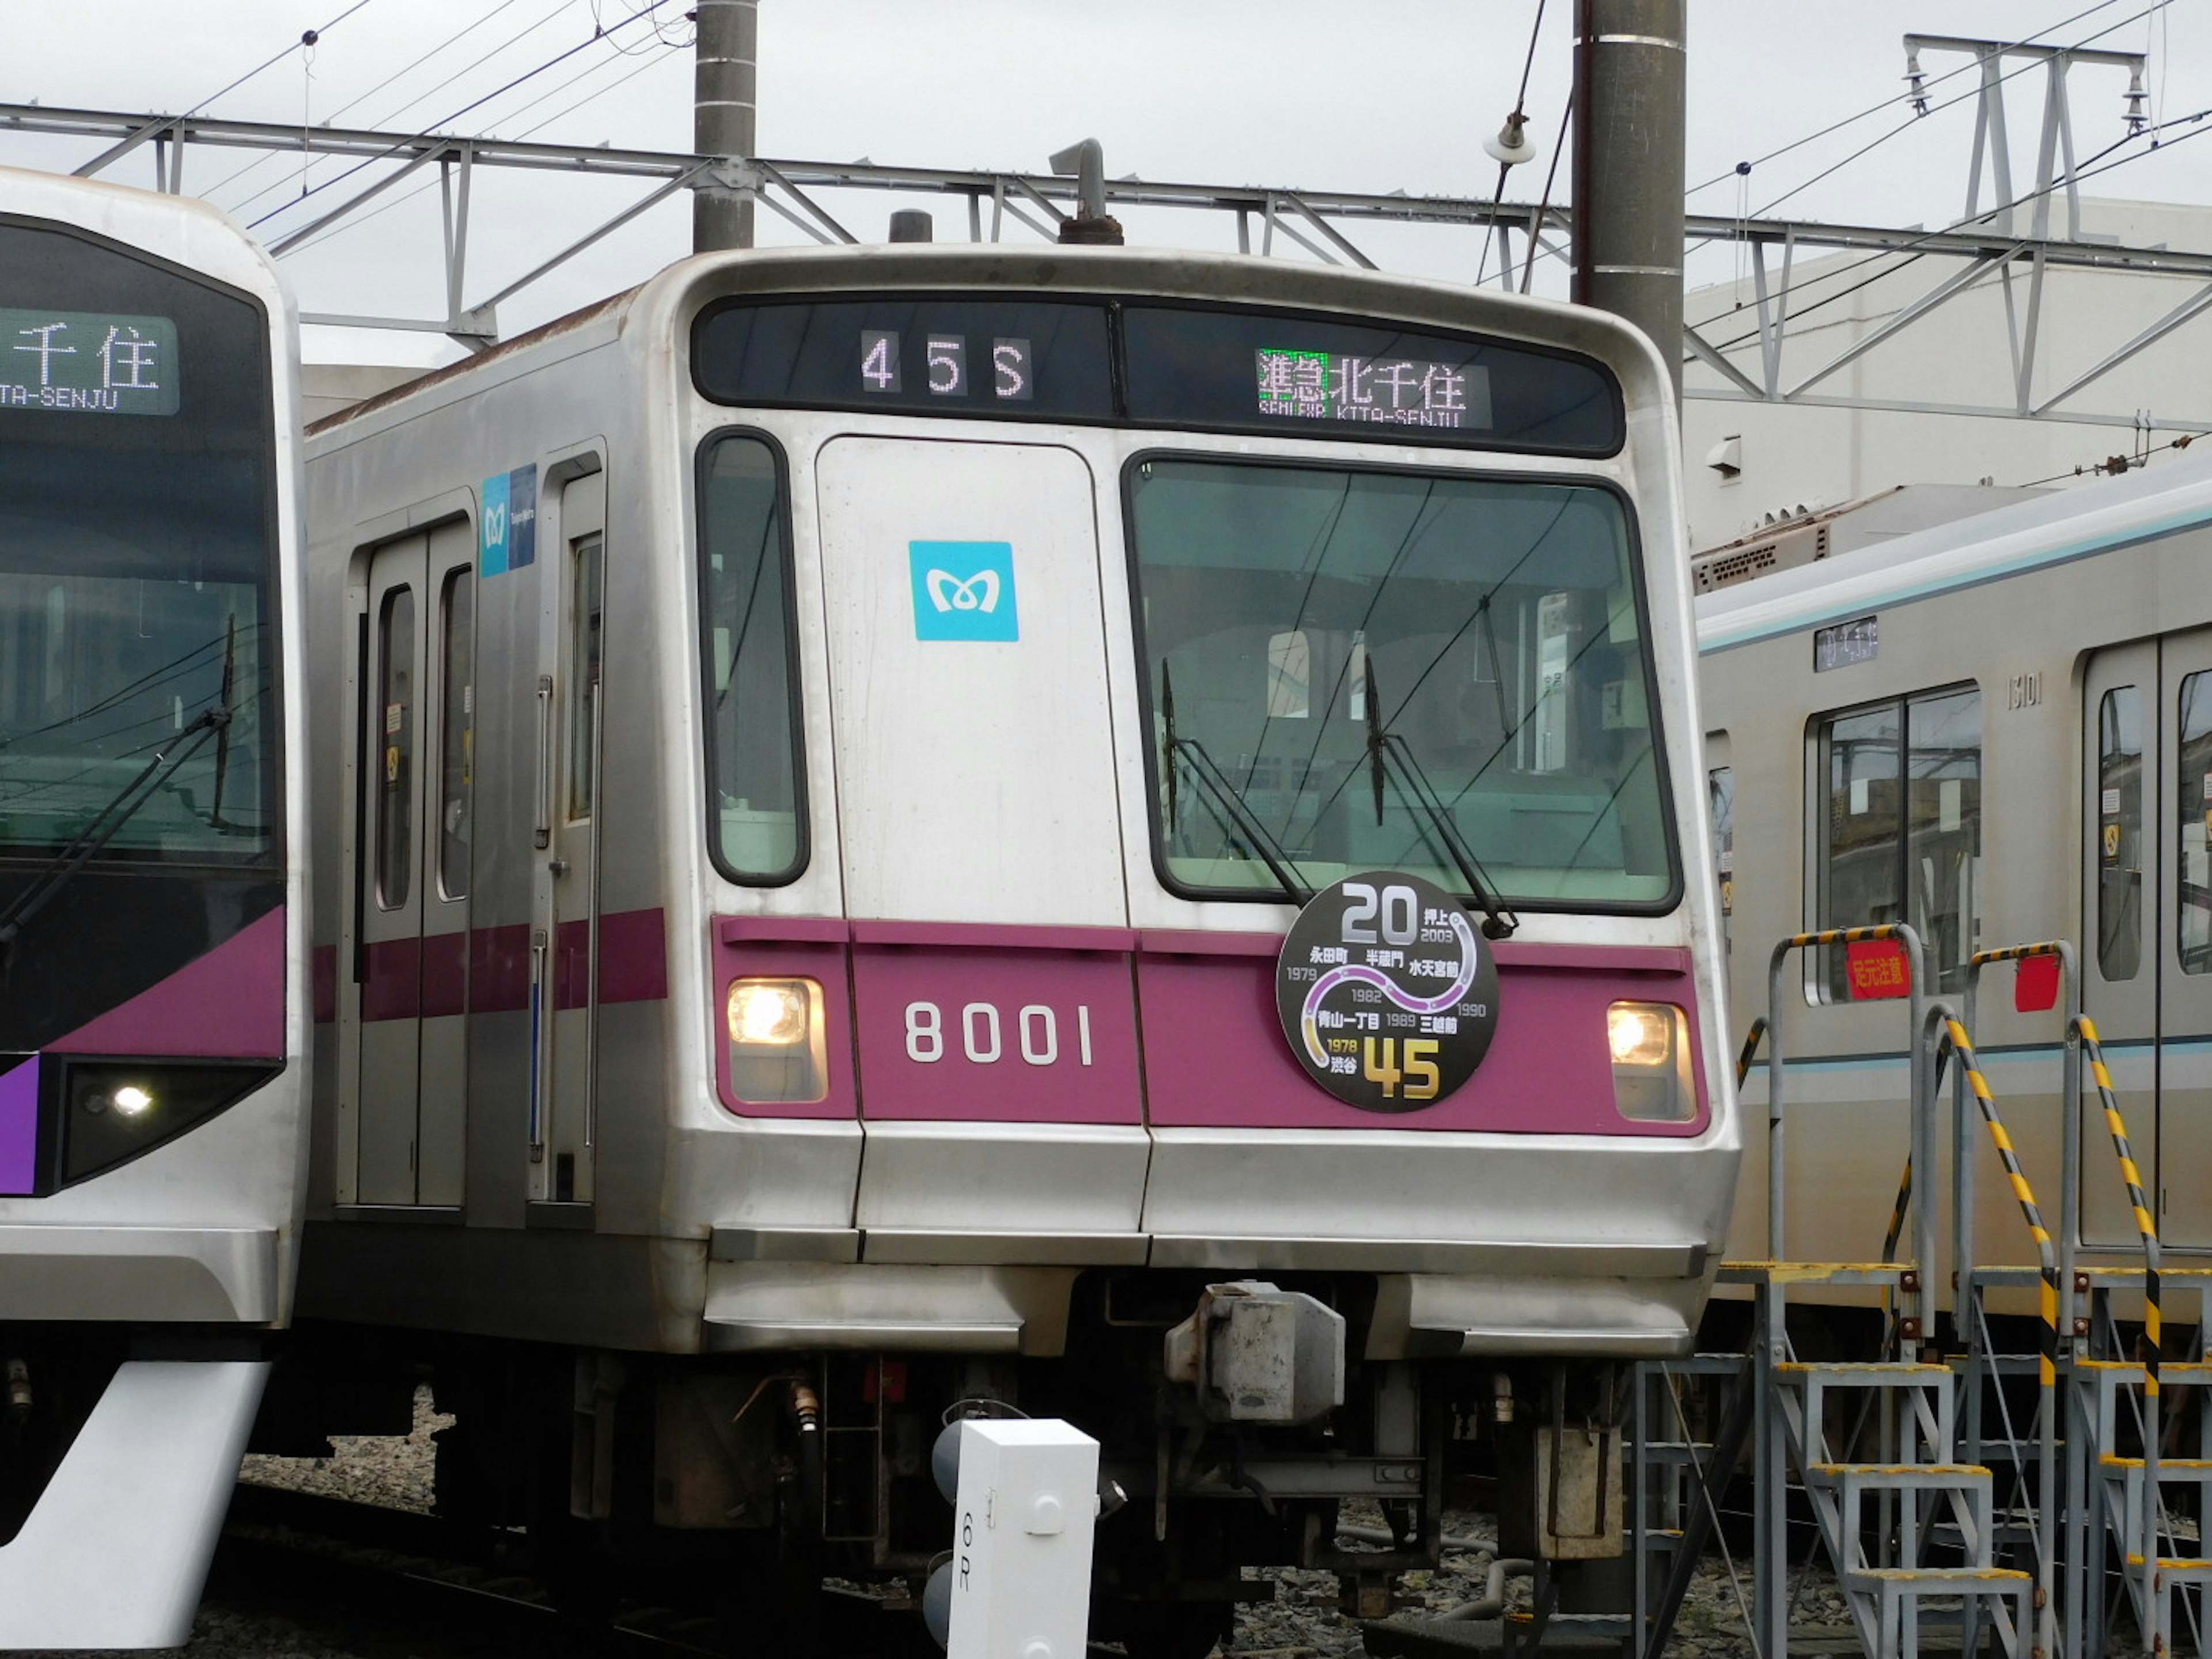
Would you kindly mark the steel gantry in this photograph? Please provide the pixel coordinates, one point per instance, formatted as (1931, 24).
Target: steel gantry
(1759, 364)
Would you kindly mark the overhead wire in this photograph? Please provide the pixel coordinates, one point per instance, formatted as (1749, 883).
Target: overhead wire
(305, 40)
(649, 7)
(1876, 109)
(657, 36)
(2157, 8)
(393, 115)
(2118, 464)
(1520, 115)
(2082, 173)
(452, 39)
(336, 231)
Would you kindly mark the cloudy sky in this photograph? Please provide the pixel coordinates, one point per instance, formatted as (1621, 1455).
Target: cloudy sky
(1392, 95)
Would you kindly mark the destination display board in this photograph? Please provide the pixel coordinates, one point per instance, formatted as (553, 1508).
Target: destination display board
(1181, 367)
(88, 362)
(1036, 358)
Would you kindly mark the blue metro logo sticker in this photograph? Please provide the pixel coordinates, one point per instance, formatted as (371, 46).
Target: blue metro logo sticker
(963, 591)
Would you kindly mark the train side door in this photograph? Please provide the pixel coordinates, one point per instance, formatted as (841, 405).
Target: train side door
(2120, 933)
(576, 600)
(2182, 789)
(413, 868)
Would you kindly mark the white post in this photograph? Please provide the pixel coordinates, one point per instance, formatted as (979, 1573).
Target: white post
(1020, 1572)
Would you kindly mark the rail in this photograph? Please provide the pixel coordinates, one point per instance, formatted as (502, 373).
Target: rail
(2046, 1255)
(1923, 1146)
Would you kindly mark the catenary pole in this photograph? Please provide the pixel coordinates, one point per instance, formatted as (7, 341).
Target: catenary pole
(1629, 168)
(722, 116)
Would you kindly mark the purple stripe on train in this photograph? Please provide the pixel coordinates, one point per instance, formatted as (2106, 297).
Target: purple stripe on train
(228, 1003)
(19, 1128)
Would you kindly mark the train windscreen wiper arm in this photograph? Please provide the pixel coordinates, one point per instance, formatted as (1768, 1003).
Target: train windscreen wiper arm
(1384, 746)
(105, 825)
(1223, 799)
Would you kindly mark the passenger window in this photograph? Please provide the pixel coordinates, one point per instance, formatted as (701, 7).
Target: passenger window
(756, 792)
(458, 731)
(395, 779)
(586, 609)
(2192, 891)
(1901, 833)
(2119, 832)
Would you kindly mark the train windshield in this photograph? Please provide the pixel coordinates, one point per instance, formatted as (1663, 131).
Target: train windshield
(138, 535)
(1348, 668)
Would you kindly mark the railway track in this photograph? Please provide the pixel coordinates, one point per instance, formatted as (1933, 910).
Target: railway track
(382, 1584)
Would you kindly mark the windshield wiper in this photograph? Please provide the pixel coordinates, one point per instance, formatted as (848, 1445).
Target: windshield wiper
(1383, 746)
(105, 825)
(1224, 802)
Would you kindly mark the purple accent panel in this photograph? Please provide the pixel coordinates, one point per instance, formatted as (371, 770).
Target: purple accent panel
(498, 970)
(1603, 958)
(1181, 942)
(572, 958)
(325, 966)
(991, 936)
(633, 957)
(1215, 1055)
(391, 980)
(824, 964)
(228, 1003)
(445, 975)
(1023, 1035)
(19, 1128)
(786, 930)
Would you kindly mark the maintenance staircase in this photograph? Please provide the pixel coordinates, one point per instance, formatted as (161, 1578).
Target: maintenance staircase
(1950, 1515)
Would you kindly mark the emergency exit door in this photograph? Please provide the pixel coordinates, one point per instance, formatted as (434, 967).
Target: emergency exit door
(412, 868)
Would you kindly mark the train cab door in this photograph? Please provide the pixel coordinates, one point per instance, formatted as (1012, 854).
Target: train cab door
(975, 772)
(413, 868)
(569, 859)
(2182, 789)
(980, 839)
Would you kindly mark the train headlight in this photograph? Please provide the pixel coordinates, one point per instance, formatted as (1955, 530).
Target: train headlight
(113, 1110)
(776, 1048)
(1650, 1046)
(132, 1100)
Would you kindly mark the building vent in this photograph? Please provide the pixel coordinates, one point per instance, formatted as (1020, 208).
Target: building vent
(1739, 561)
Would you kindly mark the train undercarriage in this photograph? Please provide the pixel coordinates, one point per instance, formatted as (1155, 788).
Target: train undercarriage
(1238, 1427)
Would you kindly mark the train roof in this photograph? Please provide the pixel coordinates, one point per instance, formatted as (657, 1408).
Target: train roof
(1987, 547)
(182, 230)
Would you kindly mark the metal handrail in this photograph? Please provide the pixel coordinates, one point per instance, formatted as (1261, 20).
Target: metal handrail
(2047, 1254)
(2153, 1508)
(1750, 1050)
(1923, 1116)
(2069, 1142)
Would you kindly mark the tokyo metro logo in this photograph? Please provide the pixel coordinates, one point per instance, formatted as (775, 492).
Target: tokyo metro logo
(963, 591)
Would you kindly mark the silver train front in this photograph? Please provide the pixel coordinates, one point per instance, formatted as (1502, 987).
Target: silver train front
(1046, 1069)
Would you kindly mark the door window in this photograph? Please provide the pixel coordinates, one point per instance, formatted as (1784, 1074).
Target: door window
(585, 611)
(1720, 793)
(395, 786)
(1901, 837)
(2120, 830)
(2192, 889)
(458, 724)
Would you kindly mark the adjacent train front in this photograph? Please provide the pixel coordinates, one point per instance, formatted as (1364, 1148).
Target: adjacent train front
(1199, 784)
(152, 1111)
